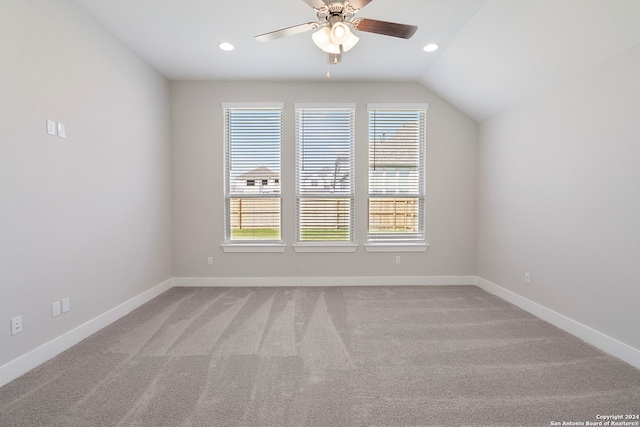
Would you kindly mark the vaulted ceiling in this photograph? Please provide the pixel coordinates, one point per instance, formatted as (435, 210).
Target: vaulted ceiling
(493, 53)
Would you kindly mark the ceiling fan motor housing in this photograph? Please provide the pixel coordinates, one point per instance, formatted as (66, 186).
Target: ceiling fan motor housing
(336, 12)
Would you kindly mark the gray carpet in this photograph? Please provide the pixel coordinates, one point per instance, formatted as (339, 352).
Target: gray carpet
(343, 356)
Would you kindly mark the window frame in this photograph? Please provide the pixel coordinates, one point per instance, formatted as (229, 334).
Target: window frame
(250, 245)
(394, 241)
(301, 196)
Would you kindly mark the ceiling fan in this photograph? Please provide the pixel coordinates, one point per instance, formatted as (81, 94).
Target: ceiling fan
(335, 19)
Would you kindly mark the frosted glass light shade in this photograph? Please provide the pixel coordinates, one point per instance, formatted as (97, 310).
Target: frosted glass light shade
(351, 41)
(329, 39)
(322, 38)
(339, 33)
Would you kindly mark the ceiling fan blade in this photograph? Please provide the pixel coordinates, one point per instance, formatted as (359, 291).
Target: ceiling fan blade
(316, 4)
(358, 4)
(287, 31)
(385, 28)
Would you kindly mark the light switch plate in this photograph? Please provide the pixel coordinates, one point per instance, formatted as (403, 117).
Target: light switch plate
(55, 309)
(62, 133)
(51, 127)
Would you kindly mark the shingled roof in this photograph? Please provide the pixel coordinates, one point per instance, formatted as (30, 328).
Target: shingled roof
(399, 150)
(259, 173)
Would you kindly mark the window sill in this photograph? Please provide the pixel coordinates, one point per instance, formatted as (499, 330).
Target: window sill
(325, 247)
(253, 247)
(396, 247)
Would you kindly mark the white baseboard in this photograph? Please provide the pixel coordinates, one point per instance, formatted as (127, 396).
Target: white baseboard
(32, 359)
(604, 342)
(324, 281)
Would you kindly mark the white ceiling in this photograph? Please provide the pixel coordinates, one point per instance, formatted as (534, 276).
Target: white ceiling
(493, 53)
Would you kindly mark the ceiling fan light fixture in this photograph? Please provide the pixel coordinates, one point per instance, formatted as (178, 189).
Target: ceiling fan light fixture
(339, 33)
(351, 41)
(322, 38)
(329, 40)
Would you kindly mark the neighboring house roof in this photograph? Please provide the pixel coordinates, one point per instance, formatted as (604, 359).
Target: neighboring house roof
(398, 150)
(258, 174)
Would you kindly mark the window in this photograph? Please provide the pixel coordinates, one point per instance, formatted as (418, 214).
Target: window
(325, 166)
(253, 156)
(396, 174)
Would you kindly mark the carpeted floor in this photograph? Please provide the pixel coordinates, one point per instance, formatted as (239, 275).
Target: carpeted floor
(343, 356)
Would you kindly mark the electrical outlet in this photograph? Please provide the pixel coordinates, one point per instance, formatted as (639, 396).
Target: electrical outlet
(210, 260)
(527, 278)
(398, 260)
(55, 309)
(66, 304)
(16, 325)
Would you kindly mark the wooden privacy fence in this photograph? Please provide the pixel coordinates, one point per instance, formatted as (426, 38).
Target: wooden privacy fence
(255, 213)
(384, 214)
(393, 214)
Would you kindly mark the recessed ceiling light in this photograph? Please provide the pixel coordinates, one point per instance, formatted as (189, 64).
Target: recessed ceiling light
(431, 47)
(226, 46)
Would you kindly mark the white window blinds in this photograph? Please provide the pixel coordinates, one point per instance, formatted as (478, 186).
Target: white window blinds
(325, 167)
(396, 173)
(253, 157)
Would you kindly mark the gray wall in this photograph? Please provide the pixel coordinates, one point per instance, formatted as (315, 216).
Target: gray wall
(559, 196)
(197, 143)
(88, 216)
